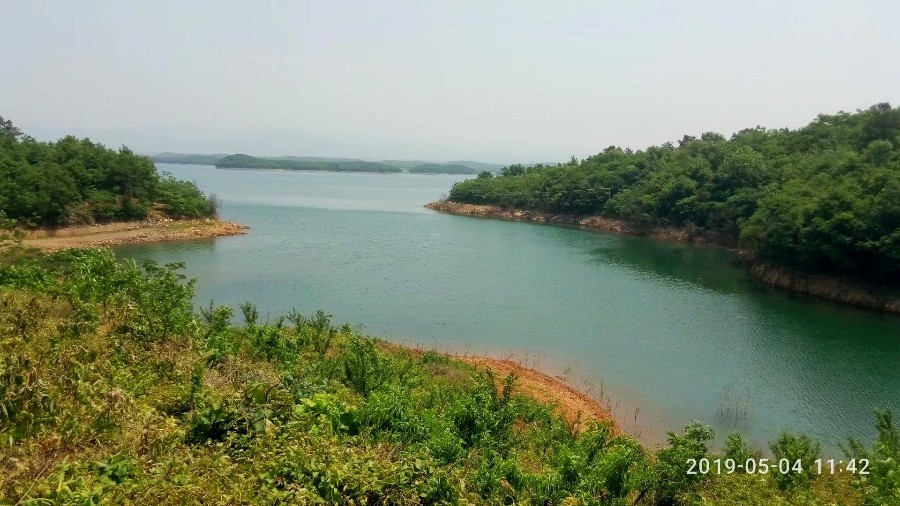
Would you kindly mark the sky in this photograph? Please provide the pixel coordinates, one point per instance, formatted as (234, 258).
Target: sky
(494, 81)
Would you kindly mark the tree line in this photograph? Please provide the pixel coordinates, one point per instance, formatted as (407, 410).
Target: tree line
(824, 198)
(76, 181)
(252, 162)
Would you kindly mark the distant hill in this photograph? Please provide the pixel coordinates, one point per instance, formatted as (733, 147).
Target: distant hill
(326, 163)
(441, 168)
(475, 166)
(316, 159)
(252, 162)
(479, 166)
(404, 164)
(189, 159)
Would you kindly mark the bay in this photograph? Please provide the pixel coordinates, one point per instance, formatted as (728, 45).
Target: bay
(663, 333)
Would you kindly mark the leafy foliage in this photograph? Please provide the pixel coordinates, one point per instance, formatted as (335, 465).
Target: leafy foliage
(74, 181)
(882, 484)
(796, 448)
(672, 476)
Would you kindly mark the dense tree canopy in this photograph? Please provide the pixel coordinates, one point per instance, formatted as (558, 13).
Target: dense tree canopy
(823, 198)
(75, 181)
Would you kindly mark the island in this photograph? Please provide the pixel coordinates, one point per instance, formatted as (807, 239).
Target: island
(241, 161)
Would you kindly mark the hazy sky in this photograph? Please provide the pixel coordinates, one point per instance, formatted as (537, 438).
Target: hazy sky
(485, 80)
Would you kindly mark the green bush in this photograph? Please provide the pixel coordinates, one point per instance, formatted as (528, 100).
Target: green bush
(795, 448)
(737, 450)
(673, 482)
(365, 368)
(882, 483)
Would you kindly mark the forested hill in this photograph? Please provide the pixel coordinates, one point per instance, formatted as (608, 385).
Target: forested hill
(252, 162)
(824, 198)
(323, 163)
(75, 181)
(441, 168)
(187, 158)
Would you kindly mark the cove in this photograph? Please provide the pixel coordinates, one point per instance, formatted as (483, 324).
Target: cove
(664, 333)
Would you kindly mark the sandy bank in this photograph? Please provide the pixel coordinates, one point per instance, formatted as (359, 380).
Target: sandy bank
(131, 232)
(822, 286)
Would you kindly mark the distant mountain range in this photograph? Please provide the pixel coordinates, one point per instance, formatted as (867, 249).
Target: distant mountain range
(327, 164)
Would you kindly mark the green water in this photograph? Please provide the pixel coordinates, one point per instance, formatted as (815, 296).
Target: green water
(663, 333)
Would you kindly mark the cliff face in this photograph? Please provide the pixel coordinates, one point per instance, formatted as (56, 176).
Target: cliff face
(826, 287)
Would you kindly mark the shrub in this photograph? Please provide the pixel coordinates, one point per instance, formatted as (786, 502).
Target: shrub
(365, 369)
(25, 402)
(672, 463)
(793, 448)
(736, 449)
(882, 484)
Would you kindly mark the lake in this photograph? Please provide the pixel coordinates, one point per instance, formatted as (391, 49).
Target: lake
(663, 333)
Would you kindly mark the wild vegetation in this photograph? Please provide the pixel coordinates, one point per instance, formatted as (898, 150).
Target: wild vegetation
(112, 391)
(253, 162)
(75, 181)
(824, 198)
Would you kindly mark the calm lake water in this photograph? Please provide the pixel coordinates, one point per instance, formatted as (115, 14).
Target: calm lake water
(663, 333)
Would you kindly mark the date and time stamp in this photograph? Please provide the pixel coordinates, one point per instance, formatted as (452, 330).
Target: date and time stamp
(779, 466)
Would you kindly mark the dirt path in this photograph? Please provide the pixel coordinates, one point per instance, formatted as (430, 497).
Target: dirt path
(578, 408)
(131, 232)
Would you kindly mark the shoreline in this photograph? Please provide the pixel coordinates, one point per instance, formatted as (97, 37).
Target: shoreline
(586, 222)
(817, 285)
(131, 232)
(578, 408)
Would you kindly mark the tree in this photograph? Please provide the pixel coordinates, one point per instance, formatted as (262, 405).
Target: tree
(8, 130)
